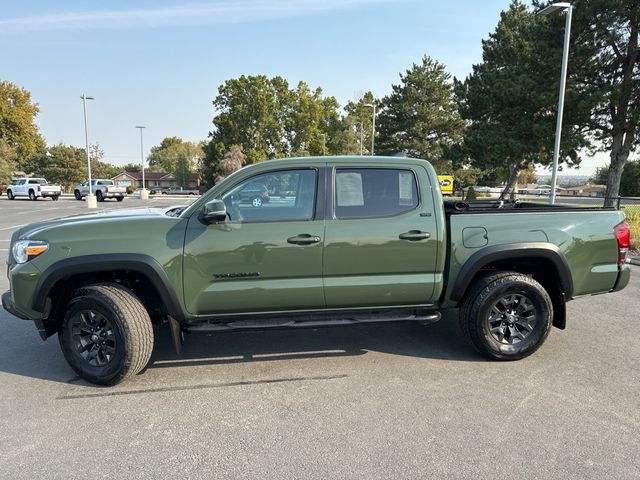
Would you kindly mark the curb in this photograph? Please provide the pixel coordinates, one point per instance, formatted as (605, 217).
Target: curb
(634, 261)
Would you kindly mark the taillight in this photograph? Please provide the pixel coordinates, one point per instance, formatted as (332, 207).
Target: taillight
(39, 188)
(623, 236)
(106, 189)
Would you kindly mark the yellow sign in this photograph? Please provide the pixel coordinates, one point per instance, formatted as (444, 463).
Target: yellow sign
(446, 184)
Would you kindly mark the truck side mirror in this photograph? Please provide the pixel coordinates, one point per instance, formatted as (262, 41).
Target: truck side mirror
(214, 211)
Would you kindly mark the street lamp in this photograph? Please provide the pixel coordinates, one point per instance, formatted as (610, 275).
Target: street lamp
(563, 7)
(91, 199)
(373, 125)
(324, 144)
(143, 192)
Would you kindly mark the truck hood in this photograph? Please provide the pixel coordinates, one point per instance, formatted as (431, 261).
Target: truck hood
(29, 231)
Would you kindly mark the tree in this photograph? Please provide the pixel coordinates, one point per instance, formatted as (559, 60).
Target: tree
(232, 161)
(131, 167)
(63, 164)
(605, 68)
(312, 122)
(17, 122)
(100, 169)
(420, 117)
(356, 126)
(182, 170)
(509, 99)
(8, 157)
(251, 113)
(630, 181)
(164, 157)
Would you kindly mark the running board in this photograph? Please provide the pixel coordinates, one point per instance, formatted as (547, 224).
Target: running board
(304, 322)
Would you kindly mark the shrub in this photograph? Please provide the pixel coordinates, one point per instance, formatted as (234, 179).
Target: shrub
(471, 194)
(632, 213)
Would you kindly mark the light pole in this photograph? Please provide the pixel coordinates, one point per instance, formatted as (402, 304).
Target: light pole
(143, 192)
(324, 144)
(373, 126)
(361, 139)
(91, 199)
(564, 7)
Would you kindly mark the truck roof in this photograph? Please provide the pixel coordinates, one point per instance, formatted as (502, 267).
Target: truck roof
(346, 159)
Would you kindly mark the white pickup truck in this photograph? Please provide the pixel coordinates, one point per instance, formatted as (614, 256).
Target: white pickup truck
(101, 189)
(33, 188)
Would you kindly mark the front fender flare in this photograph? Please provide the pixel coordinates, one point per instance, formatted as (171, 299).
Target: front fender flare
(140, 263)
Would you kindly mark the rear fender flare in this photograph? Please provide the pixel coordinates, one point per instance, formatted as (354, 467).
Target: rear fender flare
(514, 251)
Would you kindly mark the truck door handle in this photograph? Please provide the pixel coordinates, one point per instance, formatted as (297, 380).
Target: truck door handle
(414, 235)
(304, 239)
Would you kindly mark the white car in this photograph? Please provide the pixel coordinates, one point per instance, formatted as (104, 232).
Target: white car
(34, 188)
(101, 189)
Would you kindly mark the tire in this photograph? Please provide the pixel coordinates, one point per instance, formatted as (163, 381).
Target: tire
(122, 332)
(507, 316)
(32, 196)
(54, 198)
(119, 199)
(10, 195)
(77, 195)
(256, 202)
(99, 196)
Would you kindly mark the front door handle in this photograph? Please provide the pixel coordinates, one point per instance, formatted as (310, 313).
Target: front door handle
(414, 235)
(304, 239)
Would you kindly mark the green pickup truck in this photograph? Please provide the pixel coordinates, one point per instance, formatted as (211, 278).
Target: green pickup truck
(342, 240)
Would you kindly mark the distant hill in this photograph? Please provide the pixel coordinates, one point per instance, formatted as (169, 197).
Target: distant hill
(564, 180)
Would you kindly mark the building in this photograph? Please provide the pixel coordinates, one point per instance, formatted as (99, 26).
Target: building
(588, 190)
(153, 180)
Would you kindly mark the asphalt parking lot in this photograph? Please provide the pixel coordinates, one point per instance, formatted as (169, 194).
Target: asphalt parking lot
(367, 402)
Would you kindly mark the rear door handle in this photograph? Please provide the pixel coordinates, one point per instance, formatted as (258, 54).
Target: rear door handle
(304, 239)
(414, 235)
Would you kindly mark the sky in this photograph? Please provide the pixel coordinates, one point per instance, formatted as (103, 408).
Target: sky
(159, 63)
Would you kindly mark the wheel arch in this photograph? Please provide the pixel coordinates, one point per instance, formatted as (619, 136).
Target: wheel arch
(141, 273)
(543, 261)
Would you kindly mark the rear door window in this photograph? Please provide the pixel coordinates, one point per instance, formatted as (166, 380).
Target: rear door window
(374, 192)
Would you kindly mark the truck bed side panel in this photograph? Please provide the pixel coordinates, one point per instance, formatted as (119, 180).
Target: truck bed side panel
(585, 238)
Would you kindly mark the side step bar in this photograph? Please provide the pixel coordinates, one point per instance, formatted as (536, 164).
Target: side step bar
(304, 322)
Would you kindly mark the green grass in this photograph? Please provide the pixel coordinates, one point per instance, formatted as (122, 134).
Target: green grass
(632, 212)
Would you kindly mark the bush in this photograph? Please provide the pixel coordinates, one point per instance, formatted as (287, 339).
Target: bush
(130, 190)
(471, 194)
(633, 217)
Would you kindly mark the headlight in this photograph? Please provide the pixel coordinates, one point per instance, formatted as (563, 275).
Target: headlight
(25, 250)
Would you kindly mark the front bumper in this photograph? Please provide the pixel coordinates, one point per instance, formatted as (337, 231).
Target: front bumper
(7, 304)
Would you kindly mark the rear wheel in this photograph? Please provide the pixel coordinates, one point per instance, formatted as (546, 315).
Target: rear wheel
(32, 195)
(507, 316)
(10, 195)
(119, 198)
(106, 334)
(54, 198)
(77, 195)
(99, 196)
(256, 202)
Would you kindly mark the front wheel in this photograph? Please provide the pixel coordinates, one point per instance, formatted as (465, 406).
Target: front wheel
(106, 334)
(507, 316)
(256, 202)
(77, 195)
